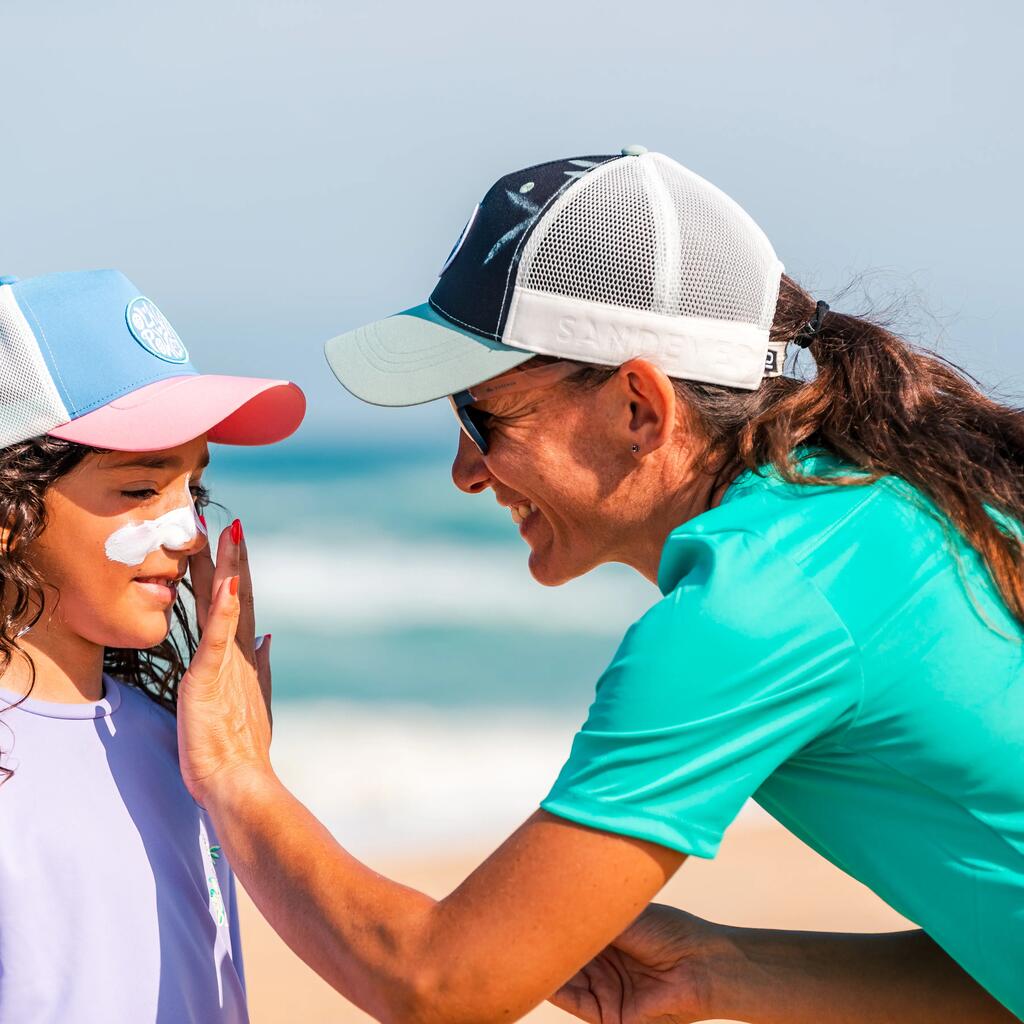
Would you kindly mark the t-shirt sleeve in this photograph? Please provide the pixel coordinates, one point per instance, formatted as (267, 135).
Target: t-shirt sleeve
(740, 667)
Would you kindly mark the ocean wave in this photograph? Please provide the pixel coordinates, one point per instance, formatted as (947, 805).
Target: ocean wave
(374, 582)
(401, 781)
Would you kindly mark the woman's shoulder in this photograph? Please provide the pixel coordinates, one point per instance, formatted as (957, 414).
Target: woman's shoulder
(813, 525)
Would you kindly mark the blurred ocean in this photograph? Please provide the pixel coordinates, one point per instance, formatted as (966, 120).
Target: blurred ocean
(426, 689)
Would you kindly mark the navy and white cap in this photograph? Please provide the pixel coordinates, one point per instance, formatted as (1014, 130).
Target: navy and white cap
(86, 357)
(597, 259)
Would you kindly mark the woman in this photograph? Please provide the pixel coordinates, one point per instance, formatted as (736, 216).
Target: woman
(839, 634)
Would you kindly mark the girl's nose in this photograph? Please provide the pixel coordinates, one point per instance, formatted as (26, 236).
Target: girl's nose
(469, 470)
(200, 540)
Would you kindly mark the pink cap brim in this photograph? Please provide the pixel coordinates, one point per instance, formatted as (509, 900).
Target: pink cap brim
(229, 410)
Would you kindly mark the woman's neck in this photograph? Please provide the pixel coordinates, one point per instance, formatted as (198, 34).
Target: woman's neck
(674, 499)
(68, 668)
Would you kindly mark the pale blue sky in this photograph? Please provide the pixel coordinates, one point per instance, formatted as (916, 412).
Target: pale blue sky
(273, 173)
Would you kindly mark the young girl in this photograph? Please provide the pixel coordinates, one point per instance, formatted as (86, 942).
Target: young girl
(117, 905)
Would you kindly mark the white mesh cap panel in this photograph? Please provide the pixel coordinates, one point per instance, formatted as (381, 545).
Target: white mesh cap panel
(644, 257)
(29, 402)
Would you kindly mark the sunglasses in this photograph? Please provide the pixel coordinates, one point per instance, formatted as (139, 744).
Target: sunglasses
(474, 421)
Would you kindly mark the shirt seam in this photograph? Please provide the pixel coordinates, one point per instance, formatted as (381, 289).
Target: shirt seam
(584, 808)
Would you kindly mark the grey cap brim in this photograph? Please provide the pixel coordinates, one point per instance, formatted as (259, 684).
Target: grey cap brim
(416, 356)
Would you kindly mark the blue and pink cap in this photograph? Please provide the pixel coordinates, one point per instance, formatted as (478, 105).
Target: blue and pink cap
(86, 357)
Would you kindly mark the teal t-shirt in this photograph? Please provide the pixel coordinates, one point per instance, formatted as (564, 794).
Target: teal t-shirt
(843, 657)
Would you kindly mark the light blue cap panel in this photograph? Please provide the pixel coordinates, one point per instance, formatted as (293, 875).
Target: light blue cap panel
(414, 357)
(94, 355)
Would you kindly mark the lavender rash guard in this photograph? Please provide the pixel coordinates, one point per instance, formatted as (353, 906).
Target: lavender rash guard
(114, 909)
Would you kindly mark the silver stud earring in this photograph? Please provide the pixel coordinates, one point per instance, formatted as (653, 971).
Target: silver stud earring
(636, 448)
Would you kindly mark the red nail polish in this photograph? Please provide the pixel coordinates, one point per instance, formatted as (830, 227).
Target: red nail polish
(202, 519)
(233, 586)
(236, 531)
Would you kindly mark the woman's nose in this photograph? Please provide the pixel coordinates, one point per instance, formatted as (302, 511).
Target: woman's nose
(469, 471)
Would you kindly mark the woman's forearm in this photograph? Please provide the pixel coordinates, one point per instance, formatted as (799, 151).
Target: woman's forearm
(780, 977)
(362, 933)
(547, 900)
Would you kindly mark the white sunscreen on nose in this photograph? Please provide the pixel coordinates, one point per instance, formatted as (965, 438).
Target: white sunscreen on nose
(176, 529)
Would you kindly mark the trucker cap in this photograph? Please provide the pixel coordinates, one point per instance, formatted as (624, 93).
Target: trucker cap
(597, 259)
(86, 357)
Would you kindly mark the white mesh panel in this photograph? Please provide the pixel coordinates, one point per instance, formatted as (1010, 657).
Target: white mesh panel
(645, 234)
(648, 234)
(29, 402)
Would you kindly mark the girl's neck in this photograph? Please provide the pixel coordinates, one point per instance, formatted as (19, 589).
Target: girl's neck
(68, 668)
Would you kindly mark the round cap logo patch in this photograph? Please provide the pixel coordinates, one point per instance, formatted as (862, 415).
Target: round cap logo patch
(152, 331)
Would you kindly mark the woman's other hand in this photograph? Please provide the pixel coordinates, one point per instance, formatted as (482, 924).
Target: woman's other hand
(658, 970)
(224, 697)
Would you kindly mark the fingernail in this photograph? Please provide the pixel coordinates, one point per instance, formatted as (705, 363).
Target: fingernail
(236, 531)
(259, 642)
(202, 519)
(233, 586)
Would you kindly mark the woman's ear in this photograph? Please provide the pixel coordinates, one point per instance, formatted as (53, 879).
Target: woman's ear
(652, 405)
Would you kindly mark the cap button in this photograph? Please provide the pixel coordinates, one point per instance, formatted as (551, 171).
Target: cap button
(8, 279)
(634, 150)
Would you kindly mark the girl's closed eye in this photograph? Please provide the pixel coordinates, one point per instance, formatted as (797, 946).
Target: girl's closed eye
(200, 494)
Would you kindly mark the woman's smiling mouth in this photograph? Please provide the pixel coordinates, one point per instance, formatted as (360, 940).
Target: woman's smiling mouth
(521, 511)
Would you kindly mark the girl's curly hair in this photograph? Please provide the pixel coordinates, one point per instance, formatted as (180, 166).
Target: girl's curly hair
(27, 469)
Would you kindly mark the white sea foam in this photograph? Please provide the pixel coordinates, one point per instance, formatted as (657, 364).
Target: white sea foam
(372, 582)
(401, 781)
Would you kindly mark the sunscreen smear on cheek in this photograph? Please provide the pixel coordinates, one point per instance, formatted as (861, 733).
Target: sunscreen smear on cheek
(177, 529)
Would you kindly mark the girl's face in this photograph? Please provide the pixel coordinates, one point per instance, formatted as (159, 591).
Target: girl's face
(120, 529)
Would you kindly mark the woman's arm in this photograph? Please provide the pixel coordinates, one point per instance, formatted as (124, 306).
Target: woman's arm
(542, 904)
(670, 966)
(548, 900)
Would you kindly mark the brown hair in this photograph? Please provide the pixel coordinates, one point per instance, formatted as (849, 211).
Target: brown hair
(27, 470)
(887, 408)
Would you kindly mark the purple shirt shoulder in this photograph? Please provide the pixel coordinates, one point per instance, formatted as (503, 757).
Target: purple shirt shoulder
(116, 903)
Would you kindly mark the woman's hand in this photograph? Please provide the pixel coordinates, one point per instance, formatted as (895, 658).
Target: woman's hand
(224, 697)
(655, 971)
(670, 967)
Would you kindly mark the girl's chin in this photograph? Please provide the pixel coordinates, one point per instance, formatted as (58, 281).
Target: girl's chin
(141, 638)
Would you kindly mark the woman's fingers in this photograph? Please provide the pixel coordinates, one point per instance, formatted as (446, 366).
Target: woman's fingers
(263, 672)
(207, 579)
(200, 571)
(247, 613)
(219, 634)
(577, 997)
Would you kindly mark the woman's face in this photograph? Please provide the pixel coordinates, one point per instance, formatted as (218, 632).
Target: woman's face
(560, 460)
(120, 529)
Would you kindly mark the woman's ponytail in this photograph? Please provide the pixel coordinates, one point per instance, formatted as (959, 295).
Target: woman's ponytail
(890, 410)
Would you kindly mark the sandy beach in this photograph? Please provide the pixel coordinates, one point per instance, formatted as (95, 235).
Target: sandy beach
(762, 877)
